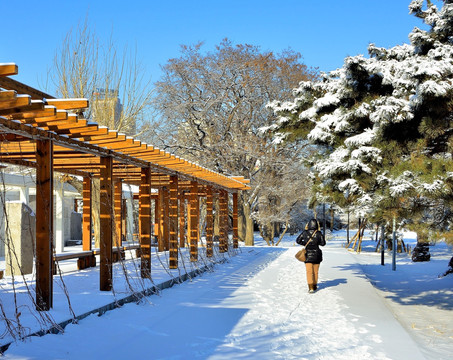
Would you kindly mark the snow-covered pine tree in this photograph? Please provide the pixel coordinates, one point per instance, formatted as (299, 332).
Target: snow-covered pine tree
(383, 125)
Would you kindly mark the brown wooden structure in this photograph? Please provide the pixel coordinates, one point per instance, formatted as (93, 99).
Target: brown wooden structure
(37, 130)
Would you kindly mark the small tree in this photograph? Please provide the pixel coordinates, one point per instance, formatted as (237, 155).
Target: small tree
(282, 193)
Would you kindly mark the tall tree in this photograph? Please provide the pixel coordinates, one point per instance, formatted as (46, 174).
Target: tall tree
(113, 81)
(215, 103)
(383, 126)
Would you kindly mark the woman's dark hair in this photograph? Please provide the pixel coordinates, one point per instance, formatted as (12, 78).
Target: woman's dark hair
(312, 225)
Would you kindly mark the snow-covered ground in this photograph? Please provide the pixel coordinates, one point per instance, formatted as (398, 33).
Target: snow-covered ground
(256, 306)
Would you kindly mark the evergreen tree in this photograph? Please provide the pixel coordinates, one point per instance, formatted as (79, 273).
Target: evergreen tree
(383, 126)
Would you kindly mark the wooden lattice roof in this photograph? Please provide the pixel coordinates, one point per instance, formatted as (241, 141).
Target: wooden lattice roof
(78, 143)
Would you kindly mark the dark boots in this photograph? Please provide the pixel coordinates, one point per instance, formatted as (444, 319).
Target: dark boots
(312, 288)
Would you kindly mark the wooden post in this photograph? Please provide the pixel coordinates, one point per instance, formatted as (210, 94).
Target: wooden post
(209, 222)
(223, 221)
(44, 224)
(193, 221)
(124, 220)
(235, 221)
(86, 216)
(158, 220)
(145, 222)
(118, 199)
(106, 224)
(182, 220)
(173, 222)
(166, 220)
(216, 207)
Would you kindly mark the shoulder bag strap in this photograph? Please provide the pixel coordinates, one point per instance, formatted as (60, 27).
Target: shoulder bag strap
(311, 237)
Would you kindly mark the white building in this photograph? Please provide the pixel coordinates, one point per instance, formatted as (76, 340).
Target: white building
(23, 188)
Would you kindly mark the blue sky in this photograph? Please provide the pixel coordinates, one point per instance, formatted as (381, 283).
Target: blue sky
(324, 32)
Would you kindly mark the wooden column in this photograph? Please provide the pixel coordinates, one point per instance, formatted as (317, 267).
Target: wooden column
(86, 214)
(173, 222)
(193, 221)
(106, 223)
(160, 219)
(209, 222)
(118, 200)
(145, 222)
(216, 206)
(44, 224)
(235, 221)
(182, 220)
(223, 220)
(124, 219)
(166, 220)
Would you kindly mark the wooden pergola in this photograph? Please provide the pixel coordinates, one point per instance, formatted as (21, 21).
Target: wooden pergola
(39, 131)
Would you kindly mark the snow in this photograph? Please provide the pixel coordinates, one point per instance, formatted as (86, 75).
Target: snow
(434, 88)
(325, 101)
(364, 138)
(256, 306)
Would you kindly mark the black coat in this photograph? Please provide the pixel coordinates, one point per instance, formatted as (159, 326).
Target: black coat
(314, 253)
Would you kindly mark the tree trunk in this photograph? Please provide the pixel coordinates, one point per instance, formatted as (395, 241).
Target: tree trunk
(276, 229)
(246, 226)
(264, 232)
(283, 233)
(269, 233)
(332, 218)
(245, 222)
(249, 239)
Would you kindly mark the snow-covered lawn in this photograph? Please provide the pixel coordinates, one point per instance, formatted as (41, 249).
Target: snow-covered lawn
(256, 306)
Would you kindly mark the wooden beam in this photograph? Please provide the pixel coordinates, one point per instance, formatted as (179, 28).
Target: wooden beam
(106, 224)
(33, 111)
(17, 102)
(86, 216)
(10, 84)
(193, 221)
(60, 115)
(44, 225)
(68, 104)
(8, 69)
(145, 222)
(173, 220)
(7, 95)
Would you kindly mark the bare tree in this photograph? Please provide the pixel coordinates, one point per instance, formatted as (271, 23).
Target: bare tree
(113, 81)
(285, 188)
(214, 105)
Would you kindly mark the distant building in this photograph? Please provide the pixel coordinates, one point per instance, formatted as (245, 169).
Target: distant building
(107, 110)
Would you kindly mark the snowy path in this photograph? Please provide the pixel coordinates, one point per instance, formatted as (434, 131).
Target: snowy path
(256, 306)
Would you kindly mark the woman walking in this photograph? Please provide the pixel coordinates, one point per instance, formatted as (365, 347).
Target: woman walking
(312, 238)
